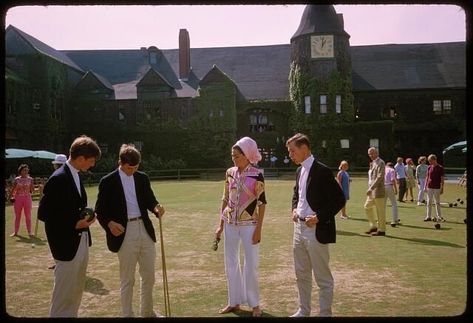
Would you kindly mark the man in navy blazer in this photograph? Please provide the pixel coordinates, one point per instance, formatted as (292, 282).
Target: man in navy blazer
(124, 199)
(316, 200)
(63, 200)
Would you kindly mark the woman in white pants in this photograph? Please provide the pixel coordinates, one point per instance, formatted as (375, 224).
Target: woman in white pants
(391, 191)
(421, 174)
(243, 206)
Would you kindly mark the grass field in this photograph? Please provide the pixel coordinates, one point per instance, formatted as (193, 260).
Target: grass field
(414, 271)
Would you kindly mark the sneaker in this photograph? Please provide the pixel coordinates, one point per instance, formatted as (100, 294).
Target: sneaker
(419, 204)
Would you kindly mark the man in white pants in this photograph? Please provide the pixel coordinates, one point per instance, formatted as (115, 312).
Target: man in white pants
(434, 187)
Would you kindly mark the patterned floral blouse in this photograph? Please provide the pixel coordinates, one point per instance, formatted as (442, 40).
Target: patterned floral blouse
(243, 193)
(22, 186)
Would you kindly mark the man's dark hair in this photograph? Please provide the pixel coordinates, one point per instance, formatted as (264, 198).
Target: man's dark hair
(129, 155)
(84, 146)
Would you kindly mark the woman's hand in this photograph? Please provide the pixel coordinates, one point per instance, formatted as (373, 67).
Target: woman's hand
(218, 232)
(256, 236)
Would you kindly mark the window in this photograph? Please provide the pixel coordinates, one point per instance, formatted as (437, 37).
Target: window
(437, 107)
(323, 104)
(307, 104)
(344, 143)
(447, 106)
(153, 57)
(442, 107)
(338, 104)
(259, 120)
(374, 142)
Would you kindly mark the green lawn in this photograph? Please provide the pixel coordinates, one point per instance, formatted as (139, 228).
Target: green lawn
(414, 271)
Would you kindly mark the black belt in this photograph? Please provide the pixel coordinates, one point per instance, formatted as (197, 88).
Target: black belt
(301, 219)
(134, 219)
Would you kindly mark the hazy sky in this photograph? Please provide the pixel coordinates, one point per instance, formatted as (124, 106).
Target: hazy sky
(132, 27)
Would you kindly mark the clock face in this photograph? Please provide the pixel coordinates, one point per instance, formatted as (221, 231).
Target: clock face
(321, 46)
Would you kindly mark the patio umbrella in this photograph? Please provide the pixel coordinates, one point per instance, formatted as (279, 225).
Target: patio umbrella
(457, 145)
(25, 153)
(18, 153)
(44, 154)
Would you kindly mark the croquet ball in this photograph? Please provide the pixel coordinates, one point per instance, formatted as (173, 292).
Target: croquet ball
(450, 204)
(33, 245)
(437, 226)
(87, 213)
(455, 204)
(461, 202)
(458, 199)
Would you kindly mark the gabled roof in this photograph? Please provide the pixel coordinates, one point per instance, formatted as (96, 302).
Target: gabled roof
(153, 76)
(100, 79)
(215, 75)
(37, 46)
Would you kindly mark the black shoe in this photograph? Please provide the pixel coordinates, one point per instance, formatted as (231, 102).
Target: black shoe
(370, 231)
(378, 233)
(52, 267)
(393, 225)
(427, 219)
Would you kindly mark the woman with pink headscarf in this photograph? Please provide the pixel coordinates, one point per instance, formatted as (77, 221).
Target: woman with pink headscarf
(242, 212)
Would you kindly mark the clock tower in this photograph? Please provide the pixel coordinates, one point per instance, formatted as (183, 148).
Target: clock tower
(320, 44)
(320, 83)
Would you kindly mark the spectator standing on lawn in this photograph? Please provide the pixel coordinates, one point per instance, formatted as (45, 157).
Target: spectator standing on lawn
(410, 179)
(241, 220)
(421, 175)
(21, 196)
(434, 188)
(391, 191)
(375, 195)
(343, 179)
(401, 176)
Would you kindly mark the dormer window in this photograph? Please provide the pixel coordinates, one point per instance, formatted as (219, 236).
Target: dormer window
(153, 57)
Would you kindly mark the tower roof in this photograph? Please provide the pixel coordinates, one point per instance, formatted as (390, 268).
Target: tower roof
(319, 19)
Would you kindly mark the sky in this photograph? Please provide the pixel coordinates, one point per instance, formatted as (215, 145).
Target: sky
(133, 27)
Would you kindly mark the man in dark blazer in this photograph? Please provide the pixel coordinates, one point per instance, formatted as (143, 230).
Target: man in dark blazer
(316, 200)
(60, 207)
(124, 199)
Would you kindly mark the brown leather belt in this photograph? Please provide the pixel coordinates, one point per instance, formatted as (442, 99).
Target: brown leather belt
(134, 219)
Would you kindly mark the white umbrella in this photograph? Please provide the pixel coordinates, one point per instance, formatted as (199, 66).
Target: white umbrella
(18, 153)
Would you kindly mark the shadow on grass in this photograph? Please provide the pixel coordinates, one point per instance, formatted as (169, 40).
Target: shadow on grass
(35, 240)
(247, 313)
(428, 241)
(95, 286)
(415, 240)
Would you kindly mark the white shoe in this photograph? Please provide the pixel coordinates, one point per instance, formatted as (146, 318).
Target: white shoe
(418, 203)
(299, 313)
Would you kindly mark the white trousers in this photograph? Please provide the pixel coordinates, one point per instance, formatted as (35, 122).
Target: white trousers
(243, 286)
(137, 248)
(392, 197)
(69, 282)
(312, 257)
(433, 194)
(420, 186)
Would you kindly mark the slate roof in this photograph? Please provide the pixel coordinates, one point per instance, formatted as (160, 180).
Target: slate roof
(409, 66)
(261, 72)
(39, 46)
(319, 19)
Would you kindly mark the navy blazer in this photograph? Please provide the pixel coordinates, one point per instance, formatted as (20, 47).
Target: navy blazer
(111, 205)
(59, 209)
(325, 198)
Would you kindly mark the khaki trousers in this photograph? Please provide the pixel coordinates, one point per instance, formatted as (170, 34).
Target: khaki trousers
(137, 248)
(312, 257)
(378, 221)
(69, 282)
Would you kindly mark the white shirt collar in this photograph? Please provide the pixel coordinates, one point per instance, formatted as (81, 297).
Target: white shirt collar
(307, 163)
(72, 168)
(123, 174)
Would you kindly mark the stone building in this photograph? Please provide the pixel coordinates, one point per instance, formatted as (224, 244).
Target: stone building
(191, 104)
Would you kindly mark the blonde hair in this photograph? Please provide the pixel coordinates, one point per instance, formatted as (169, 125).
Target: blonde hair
(343, 163)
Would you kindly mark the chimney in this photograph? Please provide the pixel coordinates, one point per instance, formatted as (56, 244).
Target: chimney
(184, 54)
(340, 20)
